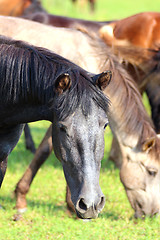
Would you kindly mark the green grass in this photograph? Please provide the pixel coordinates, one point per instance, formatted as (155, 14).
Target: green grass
(46, 217)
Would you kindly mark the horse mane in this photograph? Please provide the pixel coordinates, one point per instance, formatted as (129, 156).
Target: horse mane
(133, 119)
(28, 75)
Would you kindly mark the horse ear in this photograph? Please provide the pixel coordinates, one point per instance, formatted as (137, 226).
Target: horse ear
(103, 79)
(148, 144)
(63, 82)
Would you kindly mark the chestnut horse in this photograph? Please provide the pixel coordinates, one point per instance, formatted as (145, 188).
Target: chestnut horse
(14, 7)
(141, 30)
(128, 119)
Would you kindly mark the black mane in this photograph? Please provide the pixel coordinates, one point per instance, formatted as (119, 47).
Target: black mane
(28, 74)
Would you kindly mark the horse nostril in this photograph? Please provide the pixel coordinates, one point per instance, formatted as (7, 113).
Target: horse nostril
(82, 205)
(139, 205)
(101, 204)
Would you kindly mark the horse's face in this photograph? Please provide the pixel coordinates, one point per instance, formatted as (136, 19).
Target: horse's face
(140, 175)
(78, 143)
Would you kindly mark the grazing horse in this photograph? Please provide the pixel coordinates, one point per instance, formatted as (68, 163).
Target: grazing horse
(128, 119)
(37, 84)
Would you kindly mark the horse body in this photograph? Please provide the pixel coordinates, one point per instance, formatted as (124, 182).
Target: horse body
(37, 85)
(127, 117)
(140, 31)
(13, 8)
(32, 35)
(62, 21)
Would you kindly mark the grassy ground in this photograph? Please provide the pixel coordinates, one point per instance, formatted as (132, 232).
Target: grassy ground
(46, 217)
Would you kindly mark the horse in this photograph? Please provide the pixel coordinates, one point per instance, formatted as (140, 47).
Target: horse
(14, 7)
(37, 84)
(137, 31)
(127, 116)
(131, 31)
(91, 3)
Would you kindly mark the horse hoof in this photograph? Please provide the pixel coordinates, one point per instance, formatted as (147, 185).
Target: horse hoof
(21, 210)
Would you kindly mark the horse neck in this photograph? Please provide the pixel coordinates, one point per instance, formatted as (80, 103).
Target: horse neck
(25, 109)
(127, 116)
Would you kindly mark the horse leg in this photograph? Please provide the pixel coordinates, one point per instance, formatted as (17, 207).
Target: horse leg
(3, 167)
(92, 5)
(28, 139)
(8, 140)
(22, 187)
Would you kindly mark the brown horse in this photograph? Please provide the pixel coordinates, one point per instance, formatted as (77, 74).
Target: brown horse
(141, 30)
(14, 7)
(91, 2)
(128, 119)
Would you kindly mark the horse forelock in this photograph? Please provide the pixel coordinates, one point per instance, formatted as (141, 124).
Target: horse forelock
(81, 93)
(30, 73)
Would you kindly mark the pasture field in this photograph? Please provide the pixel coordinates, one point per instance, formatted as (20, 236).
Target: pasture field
(47, 217)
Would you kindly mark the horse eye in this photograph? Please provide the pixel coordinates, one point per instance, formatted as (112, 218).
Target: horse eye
(105, 125)
(62, 128)
(152, 171)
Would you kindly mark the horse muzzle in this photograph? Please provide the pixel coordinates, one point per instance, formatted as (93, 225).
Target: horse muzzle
(89, 209)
